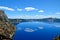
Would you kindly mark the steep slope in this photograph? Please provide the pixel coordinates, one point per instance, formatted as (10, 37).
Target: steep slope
(6, 28)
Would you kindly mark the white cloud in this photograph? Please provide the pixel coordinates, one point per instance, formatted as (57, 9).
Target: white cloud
(58, 13)
(32, 17)
(41, 11)
(36, 16)
(29, 30)
(20, 9)
(30, 8)
(41, 27)
(6, 8)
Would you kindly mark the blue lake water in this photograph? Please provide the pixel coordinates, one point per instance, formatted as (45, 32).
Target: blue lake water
(36, 31)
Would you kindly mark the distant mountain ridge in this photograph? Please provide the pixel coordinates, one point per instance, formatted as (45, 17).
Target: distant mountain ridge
(39, 20)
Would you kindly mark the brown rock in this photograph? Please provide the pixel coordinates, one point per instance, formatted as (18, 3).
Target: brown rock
(6, 27)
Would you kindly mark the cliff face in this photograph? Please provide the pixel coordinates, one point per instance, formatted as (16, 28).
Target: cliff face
(6, 28)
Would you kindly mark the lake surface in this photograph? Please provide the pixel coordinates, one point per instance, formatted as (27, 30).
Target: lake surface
(36, 31)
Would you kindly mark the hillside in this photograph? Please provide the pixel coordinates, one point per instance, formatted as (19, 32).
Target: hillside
(7, 29)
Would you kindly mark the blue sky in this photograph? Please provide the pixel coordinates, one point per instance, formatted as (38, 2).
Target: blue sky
(31, 9)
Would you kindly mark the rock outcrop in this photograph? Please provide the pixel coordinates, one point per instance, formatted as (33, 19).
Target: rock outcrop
(7, 29)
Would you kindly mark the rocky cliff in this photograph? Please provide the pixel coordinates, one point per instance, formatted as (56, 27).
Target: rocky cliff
(57, 38)
(7, 29)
